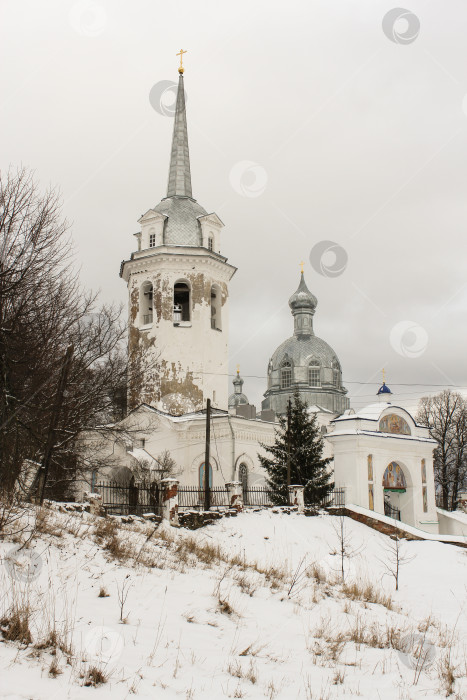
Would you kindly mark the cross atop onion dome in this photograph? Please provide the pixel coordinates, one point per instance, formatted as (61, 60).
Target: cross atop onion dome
(303, 298)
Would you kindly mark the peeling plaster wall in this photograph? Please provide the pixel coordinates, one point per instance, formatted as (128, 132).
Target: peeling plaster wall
(176, 368)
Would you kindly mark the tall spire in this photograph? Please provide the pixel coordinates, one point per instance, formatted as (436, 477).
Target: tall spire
(179, 171)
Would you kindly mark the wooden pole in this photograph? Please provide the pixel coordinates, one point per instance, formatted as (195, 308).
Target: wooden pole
(207, 492)
(289, 420)
(50, 444)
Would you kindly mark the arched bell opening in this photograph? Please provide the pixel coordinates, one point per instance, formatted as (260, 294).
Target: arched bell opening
(216, 308)
(146, 303)
(182, 303)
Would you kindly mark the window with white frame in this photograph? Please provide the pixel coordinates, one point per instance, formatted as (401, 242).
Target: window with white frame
(314, 373)
(210, 243)
(152, 240)
(286, 375)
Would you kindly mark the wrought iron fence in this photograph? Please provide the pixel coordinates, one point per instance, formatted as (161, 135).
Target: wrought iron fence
(261, 496)
(192, 497)
(137, 498)
(391, 512)
(130, 498)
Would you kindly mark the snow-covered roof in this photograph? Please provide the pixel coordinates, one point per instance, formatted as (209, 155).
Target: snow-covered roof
(314, 408)
(379, 434)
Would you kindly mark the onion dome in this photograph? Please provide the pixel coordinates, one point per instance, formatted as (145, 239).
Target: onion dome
(384, 390)
(303, 298)
(237, 398)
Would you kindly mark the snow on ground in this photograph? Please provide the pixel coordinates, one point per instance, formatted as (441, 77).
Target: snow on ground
(248, 607)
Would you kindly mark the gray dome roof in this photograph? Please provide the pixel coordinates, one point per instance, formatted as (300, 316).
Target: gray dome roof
(301, 349)
(182, 226)
(237, 400)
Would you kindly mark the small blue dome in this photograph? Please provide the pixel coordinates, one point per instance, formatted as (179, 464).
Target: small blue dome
(384, 389)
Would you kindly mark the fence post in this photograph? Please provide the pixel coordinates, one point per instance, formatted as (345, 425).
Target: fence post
(235, 495)
(95, 503)
(297, 497)
(170, 500)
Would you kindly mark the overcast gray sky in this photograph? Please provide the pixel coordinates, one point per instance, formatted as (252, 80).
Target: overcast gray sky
(356, 136)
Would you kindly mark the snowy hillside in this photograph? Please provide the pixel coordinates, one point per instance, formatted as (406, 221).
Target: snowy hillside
(249, 607)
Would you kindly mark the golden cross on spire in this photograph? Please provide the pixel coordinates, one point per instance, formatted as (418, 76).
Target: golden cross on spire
(238, 369)
(181, 52)
(301, 267)
(384, 376)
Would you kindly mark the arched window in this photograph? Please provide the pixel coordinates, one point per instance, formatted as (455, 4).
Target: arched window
(182, 303)
(145, 304)
(314, 373)
(201, 476)
(216, 308)
(336, 374)
(286, 374)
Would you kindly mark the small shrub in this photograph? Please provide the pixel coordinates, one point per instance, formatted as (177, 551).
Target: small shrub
(54, 669)
(103, 592)
(225, 607)
(15, 625)
(94, 676)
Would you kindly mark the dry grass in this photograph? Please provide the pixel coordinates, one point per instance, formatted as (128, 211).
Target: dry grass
(447, 673)
(367, 593)
(55, 640)
(236, 670)
(46, 523)
(103, 593)
(225, 607)
(94, 676)
(15, 624)
(54, 669)
(245, 583)
(316, 572)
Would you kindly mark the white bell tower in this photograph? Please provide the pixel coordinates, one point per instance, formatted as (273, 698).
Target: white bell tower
(178, 295)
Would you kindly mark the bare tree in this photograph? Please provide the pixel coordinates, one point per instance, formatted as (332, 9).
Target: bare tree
(395, 557)
(446, 417)
(42, 311)
(344, 550)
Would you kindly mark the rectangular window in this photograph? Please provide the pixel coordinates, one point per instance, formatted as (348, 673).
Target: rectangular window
(286, 377)
(210, 243)
(315, 376)
(152, 240)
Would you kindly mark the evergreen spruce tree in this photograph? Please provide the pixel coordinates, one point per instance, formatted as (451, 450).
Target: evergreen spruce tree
(307, 465)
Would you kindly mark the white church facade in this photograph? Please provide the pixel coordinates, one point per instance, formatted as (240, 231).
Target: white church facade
(178, 295)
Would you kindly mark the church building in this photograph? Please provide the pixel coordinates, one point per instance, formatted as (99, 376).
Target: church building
(178, 320)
